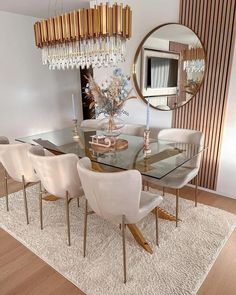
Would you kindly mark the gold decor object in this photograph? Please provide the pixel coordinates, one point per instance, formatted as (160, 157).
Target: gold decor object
(105, 144)
(146, 148)
(75, 129)
(86, 37)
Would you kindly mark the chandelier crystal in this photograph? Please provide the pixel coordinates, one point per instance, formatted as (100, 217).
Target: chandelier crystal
(194, 60)
(88, 37)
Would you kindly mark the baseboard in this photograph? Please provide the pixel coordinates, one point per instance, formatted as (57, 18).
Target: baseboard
(212, 191)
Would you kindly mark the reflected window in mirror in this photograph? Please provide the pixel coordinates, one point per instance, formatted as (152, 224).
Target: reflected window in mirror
(169, 66)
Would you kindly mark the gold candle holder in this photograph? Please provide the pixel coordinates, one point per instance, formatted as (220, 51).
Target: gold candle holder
(146, 149)
(75, 129)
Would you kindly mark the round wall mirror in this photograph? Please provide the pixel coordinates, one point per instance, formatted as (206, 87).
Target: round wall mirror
(169, 66)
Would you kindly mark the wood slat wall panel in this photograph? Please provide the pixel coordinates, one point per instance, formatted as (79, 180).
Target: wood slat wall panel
(214, 22)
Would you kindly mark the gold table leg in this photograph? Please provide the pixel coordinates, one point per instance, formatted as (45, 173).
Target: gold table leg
(50, 198)
(163, 214)
(135, 231)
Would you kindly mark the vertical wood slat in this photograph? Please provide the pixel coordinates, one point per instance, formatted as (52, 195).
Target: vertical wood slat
(212, 48)
(214, 22)
(217, 103)
(230, 44)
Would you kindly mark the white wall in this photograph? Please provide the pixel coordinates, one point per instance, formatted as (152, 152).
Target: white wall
(146, 15)
(227, 171)
(32, 98)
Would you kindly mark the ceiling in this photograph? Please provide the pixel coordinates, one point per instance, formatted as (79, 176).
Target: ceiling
(176, 33)
(42, 8)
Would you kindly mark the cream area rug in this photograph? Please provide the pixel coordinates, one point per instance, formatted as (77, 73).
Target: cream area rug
(177, 267)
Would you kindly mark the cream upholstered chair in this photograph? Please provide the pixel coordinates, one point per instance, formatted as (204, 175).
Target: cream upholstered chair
(90, 123)
(130, 129)
(184, 174)
(118, 197)
(163, 107)
(59, 177)
(14, 158)
(4, 140)
(133, 129)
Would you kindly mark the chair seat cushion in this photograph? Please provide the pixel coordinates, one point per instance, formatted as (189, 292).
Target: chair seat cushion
(176, 179)
(148, 202)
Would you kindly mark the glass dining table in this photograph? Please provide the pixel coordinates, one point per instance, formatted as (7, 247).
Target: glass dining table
(164, 158)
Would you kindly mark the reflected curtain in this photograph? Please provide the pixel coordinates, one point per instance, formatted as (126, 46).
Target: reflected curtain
(160, 69)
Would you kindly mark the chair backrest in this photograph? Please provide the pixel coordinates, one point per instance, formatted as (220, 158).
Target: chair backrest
(14, 158)
(111, 195)
(4, 140)
(163, 107)
(184, 136)
(58, 174)
(90, 123)
(133, 129)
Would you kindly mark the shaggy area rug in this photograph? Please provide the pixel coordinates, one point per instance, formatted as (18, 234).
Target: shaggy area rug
(177, 267)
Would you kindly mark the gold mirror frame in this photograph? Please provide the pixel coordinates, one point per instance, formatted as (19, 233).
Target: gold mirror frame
(134, 75)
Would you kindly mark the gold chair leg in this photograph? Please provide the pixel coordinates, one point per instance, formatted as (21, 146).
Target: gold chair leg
(6, 190)
(196, 191)
(85, 226)
(78, 201)
(41, 205)
(157, 232)
(144, 185)
(68, 217)
(25, 199)
(163, 191)
(124, 248)
(177, 207)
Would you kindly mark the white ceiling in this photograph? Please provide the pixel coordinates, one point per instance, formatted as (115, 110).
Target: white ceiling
(42, 8)
(176, 33)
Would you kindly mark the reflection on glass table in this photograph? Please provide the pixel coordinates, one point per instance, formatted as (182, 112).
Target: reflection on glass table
(164, 158)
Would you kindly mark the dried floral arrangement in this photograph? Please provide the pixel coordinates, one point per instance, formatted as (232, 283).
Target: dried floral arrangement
(192, 86)
(109, 98)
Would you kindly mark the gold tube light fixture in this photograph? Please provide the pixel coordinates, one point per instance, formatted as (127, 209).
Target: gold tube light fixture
(86, 37)
(194, 59)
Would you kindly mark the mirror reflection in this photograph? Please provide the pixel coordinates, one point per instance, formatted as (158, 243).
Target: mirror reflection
(169, 66)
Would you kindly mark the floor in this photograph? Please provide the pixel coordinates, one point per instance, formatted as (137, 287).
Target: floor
(23, 273)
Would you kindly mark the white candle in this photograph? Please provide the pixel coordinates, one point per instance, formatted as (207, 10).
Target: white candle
(73, 107)
(148, 116)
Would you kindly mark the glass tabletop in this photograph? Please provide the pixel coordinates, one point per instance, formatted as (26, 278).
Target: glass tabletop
(165, 156)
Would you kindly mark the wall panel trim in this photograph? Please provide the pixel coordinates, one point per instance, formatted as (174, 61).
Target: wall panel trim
(214, 22)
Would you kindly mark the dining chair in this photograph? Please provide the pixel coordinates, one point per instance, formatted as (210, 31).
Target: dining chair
(133, 129)
(117, 197)
(163, 107)
(188, 171)
(5, 140)
(129, 128)
(59, 177)
(90, 123)
(15, 160)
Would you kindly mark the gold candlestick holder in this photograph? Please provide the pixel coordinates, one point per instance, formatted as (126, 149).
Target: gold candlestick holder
(146, 149)
(75, 129)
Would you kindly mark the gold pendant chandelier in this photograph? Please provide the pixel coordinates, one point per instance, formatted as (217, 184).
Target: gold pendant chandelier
(87, 37)
(194, 59)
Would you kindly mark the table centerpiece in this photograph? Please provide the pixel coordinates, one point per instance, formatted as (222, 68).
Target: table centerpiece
(109, 99)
